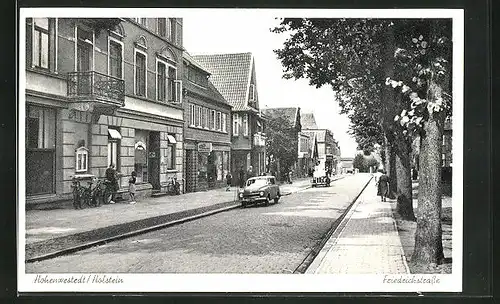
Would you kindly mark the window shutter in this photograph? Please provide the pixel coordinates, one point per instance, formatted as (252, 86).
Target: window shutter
(178, 91)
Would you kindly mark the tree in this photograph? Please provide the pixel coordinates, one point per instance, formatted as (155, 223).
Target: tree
(281, 145)
(354, 57)
(425, 80)
(359, 162)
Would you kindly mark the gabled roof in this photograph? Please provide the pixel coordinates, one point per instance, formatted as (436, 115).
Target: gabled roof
(290, 114)
(230, 74)
(186, 56)
(308, 121)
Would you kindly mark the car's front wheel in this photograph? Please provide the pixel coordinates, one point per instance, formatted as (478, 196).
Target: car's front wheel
(277, 198)
(266, 202)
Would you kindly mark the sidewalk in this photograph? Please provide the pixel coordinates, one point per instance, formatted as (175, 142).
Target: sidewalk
(52, 231)
(365, 242)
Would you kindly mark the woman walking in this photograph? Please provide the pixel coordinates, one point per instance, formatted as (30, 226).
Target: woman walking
(383, 186)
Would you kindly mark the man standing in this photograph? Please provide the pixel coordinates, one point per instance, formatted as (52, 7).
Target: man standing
(250, 172)
(241, 175)
(112, 178)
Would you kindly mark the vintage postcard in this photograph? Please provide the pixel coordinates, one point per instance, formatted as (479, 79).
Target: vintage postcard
(240, 150)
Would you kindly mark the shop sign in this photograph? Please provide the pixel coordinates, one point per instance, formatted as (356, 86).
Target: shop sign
(152, 154)
(205, 147)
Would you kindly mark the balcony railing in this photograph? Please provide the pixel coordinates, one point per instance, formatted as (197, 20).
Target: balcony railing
(91, 86)
(259, 140)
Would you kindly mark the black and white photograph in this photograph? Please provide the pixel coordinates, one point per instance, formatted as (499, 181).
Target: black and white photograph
(240, 150)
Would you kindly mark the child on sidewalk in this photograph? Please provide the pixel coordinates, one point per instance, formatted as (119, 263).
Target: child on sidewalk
(131, 187)
(228, 181)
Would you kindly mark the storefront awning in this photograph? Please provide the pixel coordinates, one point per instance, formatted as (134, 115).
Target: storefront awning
(114, 134)
(171, 139)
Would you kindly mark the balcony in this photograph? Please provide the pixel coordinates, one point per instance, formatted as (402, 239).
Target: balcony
(95, 91)
(259, 139)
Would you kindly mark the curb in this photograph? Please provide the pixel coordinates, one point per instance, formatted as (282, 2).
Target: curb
(336, 229)
(403, 256)
(104, 240)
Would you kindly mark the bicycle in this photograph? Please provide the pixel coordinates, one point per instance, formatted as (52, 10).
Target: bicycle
(88, 196)
(173, 187)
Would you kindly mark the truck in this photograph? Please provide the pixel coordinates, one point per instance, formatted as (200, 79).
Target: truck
(321, 174)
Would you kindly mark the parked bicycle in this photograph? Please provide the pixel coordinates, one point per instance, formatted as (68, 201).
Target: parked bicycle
(90, 196)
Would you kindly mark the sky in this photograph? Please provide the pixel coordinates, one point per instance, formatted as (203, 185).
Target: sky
(238, 32)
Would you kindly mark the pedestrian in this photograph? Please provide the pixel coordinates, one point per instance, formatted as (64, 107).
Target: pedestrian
(241, 175)
(290, 176)
(228, 181)
(383, 186)
(131, 187)
(112, 178)
(250, 172)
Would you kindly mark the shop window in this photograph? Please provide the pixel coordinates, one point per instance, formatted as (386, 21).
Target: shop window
(170, 152)
(141, 155)
(218, 165)
(114, 137)
(40, 150)
(225, 162)
(202, 166)
(81, 159)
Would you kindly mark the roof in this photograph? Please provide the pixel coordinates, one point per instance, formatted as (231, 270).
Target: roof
(193, 62)
(290, 114)
(230, 75)
(308, 121)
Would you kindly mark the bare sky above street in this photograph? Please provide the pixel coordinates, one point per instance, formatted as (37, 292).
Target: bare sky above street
(248, 31)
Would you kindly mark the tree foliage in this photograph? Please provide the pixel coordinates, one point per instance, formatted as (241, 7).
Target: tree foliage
(281, 143)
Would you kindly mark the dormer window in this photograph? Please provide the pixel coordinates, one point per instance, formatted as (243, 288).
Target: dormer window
(82, 157)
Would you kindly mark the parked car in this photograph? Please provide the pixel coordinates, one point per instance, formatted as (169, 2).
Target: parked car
(261, 189)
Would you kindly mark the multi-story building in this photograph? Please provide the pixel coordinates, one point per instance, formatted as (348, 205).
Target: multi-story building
(234, 77)
(328, 147)
(102, 91)
(207, 129)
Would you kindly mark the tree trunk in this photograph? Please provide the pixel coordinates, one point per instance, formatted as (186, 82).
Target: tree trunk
(428, 237)
(404, 205)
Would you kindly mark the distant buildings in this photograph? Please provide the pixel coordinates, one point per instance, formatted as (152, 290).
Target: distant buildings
(234, 77)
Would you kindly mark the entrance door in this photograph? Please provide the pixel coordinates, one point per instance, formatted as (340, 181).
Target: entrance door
(154, 160)
(190, 171)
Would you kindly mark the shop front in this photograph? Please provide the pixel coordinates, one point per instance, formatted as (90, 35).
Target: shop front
(207, 165)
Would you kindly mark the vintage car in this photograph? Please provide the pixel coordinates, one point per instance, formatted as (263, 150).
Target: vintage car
(261, 189)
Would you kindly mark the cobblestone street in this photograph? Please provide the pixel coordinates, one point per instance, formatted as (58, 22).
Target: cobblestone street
(273, 239)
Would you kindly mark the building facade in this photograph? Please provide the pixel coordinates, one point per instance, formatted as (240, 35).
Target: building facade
(234, 77)
(102, 91)
(207, 125)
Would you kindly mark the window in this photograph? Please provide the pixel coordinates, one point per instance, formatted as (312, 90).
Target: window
(161, 77)
(82, 156)
(115, 59)
(191, 115)
(84, 50)
(245, 124)
(219, 122)
(141, 155)
(170, 152)
(251, 94)
(114, 137)
(171, 23)
(212, 120)
(205, 116)
(162, 27)
(41, 44)
(224, 121)
(236, 125)
(172, 76)
(196, 116)
(140, 74)
(40, 150)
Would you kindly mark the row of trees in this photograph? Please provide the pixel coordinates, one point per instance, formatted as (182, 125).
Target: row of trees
(365, 163)
(392, 78)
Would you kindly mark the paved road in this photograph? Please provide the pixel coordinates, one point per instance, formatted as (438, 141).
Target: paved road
(273, 239)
